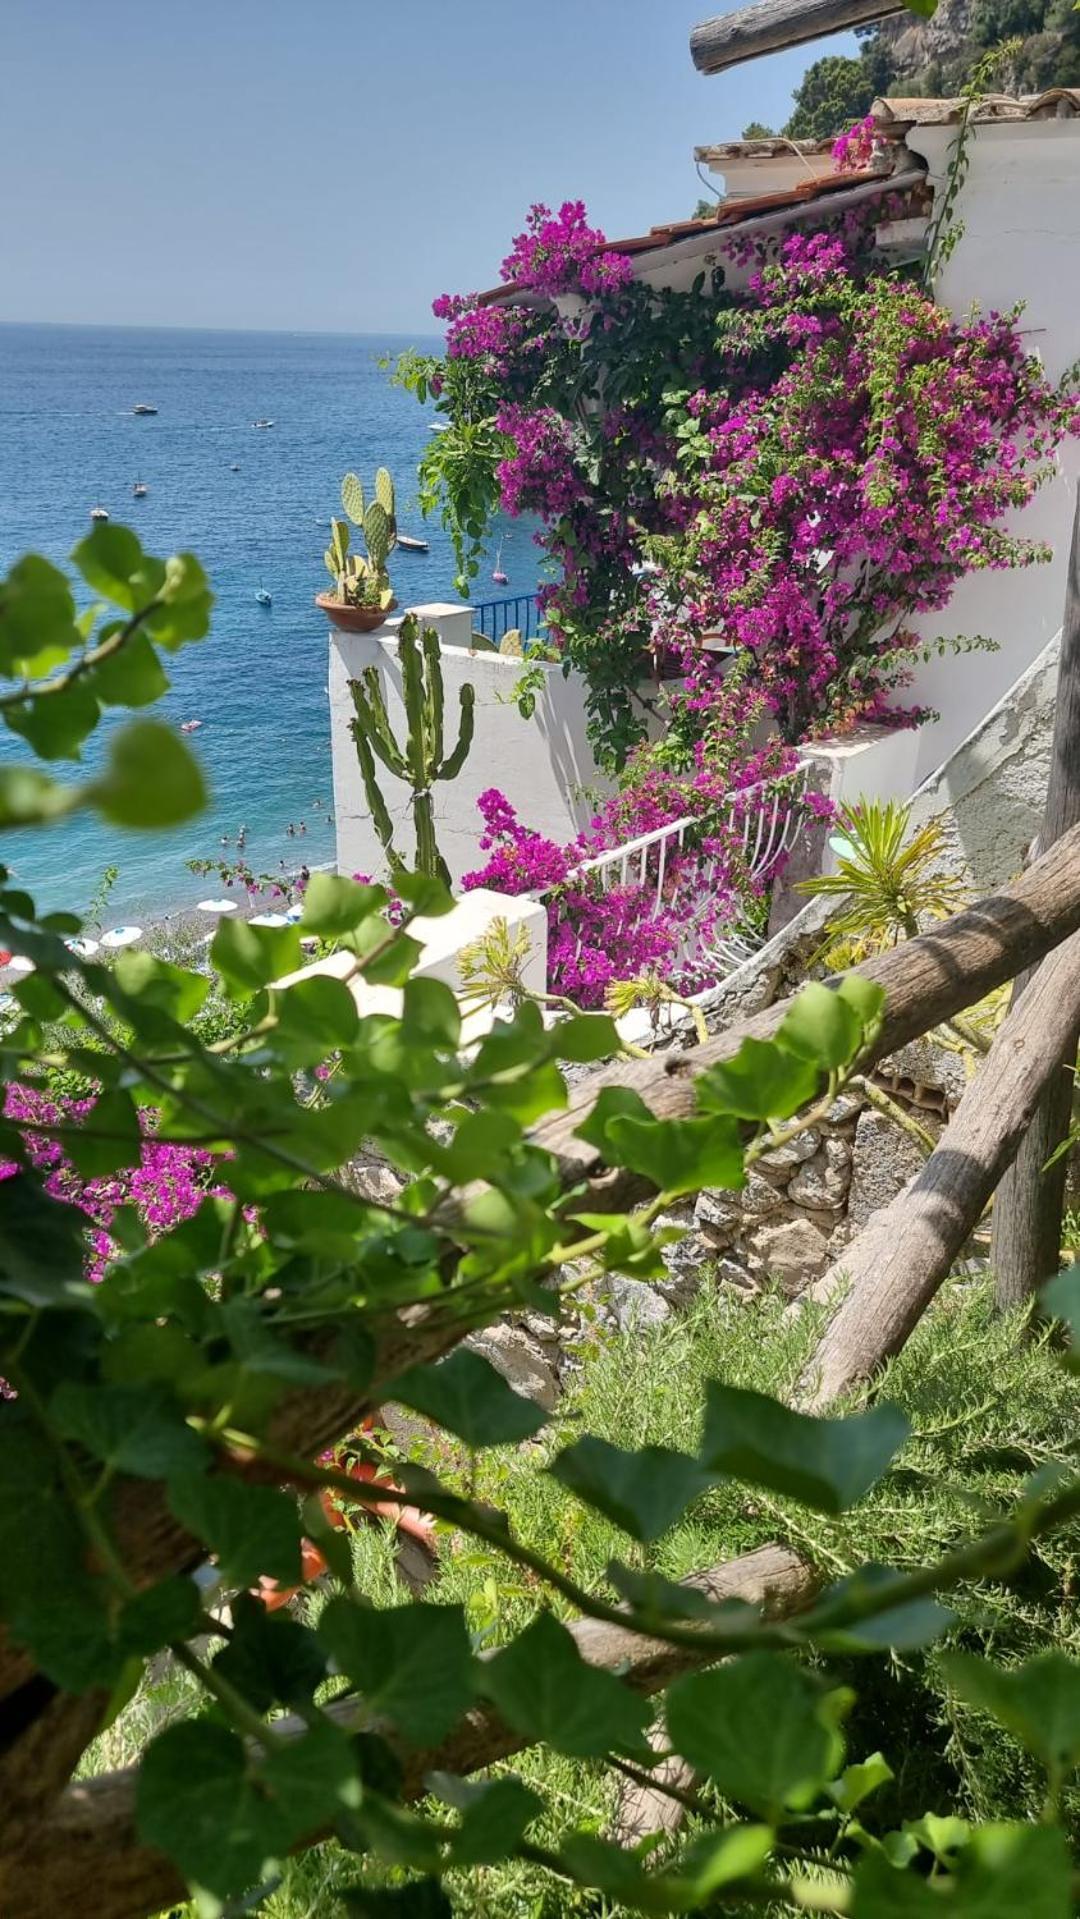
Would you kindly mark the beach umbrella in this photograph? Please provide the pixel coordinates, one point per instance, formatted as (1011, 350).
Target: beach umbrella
(217, 906)
(294, 913)
(18, 963)
(82, 947)
(122, 936)
(268, 919)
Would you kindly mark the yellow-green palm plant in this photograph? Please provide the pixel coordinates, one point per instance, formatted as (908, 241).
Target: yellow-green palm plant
(891, 881)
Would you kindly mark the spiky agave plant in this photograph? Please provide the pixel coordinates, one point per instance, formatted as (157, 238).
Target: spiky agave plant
(890, 879)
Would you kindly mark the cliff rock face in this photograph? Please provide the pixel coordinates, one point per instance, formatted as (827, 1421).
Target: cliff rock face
(912, 45)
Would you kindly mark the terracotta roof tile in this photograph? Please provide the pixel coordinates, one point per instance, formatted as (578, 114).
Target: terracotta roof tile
(729, 213)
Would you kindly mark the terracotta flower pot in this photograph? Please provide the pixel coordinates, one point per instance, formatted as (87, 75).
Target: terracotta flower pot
(352, 619)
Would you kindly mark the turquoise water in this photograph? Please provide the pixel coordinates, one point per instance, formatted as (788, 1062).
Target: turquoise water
(69, 441)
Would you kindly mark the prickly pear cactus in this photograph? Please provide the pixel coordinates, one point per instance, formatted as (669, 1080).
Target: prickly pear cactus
(377, 535)
(352, 498)
(384, 494)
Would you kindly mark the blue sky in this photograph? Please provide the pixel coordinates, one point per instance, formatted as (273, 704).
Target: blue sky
(334, 164)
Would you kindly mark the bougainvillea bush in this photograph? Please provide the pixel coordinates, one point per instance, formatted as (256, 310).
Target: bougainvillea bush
(667, 916)
(799, 460)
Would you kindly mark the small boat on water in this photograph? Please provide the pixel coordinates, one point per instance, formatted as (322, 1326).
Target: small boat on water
(190, 726)
(99, 512)
(438, 426)
(142, 409)
(411, 544)
(264, 598)
(235, 467)
(262, 422)
(140, 490)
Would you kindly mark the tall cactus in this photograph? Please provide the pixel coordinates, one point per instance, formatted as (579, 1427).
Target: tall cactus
(421, 761)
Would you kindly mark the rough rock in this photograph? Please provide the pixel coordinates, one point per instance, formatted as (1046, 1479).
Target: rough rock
(633, 1304)
(792, 1253)
(719, 1214)
(786, 1158)
(518, 1357)
(824, 1180)
(884, 1160)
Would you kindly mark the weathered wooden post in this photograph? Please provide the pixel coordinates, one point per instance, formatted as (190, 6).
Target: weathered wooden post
(1026, 1238)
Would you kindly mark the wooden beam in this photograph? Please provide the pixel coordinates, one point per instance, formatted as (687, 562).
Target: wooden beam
(1025, 1244)
(926, 981)
(894, 1267)
(770, 25)
(87, 1854)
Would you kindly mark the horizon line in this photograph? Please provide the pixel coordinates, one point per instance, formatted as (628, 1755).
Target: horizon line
(159, 326)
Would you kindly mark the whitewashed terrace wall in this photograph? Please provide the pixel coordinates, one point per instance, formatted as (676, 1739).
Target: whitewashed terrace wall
(544, 765)
(1020, 208)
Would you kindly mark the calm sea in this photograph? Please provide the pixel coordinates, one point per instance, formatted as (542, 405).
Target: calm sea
(69, 441)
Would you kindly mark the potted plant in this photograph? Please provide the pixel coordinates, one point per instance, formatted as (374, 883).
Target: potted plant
(363, 595)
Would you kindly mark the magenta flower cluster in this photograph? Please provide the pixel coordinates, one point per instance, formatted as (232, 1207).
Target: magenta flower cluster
(167, 1186)
(853, 151)
(658, 921)
(797, 467)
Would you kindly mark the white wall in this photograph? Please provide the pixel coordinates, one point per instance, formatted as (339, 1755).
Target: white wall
(1020, 207)
(544, 765)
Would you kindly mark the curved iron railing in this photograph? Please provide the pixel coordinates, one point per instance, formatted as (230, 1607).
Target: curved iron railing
(766, 820)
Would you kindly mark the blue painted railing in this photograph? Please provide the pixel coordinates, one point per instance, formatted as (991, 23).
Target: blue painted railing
(495, 618)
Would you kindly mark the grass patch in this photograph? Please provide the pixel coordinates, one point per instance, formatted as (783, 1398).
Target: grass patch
(986, 1408)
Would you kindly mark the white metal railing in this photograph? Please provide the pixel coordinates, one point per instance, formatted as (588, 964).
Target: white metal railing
(765, 819)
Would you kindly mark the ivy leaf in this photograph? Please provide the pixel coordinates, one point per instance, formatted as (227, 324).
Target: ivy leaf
(151, 779)
(1004, 1870)
(131, 1429)
(762, 1729)
(161, 1616)
(334, 905)
(763, 1081)
(270, 1658)
(1038, 1702)
(111, 560)
(312, 1779)
(495, 1814)
(37, 616)
(132, 676)
(56, 724)
(678, 1155)
(465, 1394)
(644, 1492)
(828, 1025)
(198, 1801)
(825, 1463)
(413, 1664)
(587, 1038)
(424, 894)
(28, 797)
(612, 1102)
(73, 1641)
(544, 1689)
(109, 1137)
(158, 983)
(249, 957)
(41, 1246)
(430, 1013)
(856, 1783)
(251, 1530)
